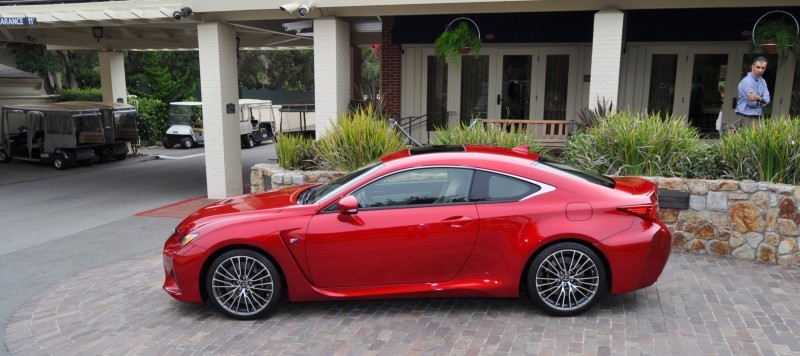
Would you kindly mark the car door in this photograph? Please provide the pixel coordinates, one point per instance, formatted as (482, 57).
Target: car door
(415, 226)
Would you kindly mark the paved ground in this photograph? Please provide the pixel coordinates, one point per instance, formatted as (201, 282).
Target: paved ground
(701, 305)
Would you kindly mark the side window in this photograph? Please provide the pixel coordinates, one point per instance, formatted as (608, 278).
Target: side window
(499, 188)
(417, 187)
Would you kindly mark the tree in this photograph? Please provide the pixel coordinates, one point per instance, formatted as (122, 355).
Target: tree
(35, 58)
(167, 76)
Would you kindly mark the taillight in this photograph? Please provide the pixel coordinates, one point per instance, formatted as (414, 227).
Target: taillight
(645, 211)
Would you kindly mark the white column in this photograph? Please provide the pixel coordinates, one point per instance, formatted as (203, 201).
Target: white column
(331, 71)
(112, 76)
(218, 81)
(606, 56)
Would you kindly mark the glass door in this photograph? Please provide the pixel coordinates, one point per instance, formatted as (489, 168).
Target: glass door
(474, 90)
(708, 80)
(663, 77)
(514, 97)
(555, 89)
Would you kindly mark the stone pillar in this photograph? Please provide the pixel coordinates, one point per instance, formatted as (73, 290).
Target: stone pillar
(606, 56)
(112, 76)
(218, 81)
(332, 80)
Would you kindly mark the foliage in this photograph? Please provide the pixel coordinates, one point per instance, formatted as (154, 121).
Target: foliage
(370, 71)
(85, 68)
(782, 33)
(166, 76)
(452, 40)
(294, 151)
(85, 94)
(152, 120)
(769, 152)
(703, 163)
(35, 58)
(360, 137)
(480, 135)
(291, 70)
(633, 144)
(588, 118)
(252, 69)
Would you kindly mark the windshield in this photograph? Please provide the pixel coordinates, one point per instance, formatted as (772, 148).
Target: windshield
(321, 192)
(185, 114)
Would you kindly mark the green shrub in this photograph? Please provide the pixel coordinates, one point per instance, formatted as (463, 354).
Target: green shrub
(480, 135)
(633, 144)
(769, 152)
(358, 138)
(85, 94)
(703, 163)
(152, 120)
(294, 151)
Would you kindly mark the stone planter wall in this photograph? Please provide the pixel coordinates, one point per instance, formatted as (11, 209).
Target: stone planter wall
(743, 219)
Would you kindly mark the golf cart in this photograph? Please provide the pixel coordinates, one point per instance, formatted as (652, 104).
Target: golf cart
(256, 123)
(185, 124)
(50, 133)
(119, 126)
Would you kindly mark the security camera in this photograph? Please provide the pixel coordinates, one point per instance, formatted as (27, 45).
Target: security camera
(298, 26)
(303, 10)
(183, 12)
(290, 7)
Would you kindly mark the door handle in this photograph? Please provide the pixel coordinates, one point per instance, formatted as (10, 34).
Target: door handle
(457, 221)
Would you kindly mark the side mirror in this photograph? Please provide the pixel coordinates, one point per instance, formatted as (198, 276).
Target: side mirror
(348, 205)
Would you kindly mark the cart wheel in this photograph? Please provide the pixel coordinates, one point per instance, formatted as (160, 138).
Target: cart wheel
(166, 142)
(250, 143)
(4, 157)
(187, 143)
(60, 163)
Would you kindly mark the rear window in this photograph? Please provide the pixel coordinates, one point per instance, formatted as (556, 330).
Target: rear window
(588, 176)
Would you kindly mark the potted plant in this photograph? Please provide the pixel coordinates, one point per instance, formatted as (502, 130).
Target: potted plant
(458, 40)
(776, 36)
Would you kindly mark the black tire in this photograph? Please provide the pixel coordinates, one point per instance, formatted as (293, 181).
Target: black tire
(250, 142)
(5, 157)
(243, 284)
(187, 143)
(60, 163)
(566, 279)
(166, 142)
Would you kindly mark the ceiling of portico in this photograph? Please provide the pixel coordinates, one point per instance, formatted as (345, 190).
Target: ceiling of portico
(149, 24)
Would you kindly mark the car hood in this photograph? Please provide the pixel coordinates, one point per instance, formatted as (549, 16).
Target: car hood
(243, 207)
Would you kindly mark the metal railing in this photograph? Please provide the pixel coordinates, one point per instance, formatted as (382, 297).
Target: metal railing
(405, 125)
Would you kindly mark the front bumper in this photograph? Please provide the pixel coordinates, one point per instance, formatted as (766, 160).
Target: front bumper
(182, 270)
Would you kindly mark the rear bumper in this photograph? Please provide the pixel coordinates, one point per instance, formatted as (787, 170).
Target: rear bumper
(637, 256)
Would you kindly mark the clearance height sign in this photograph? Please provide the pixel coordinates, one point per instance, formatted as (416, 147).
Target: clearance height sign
(17, 21)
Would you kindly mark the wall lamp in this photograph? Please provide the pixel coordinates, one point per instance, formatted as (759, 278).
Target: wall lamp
(302, 10)
(97, 32)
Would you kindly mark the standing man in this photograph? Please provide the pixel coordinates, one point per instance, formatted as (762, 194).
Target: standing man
(753, 94)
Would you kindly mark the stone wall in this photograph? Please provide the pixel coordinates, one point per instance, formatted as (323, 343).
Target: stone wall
(743, 219)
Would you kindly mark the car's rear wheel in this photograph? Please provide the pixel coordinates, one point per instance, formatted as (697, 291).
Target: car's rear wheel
(243, 284)
(566, 279)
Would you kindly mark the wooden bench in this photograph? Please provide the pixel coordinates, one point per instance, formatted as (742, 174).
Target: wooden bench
(549, 133)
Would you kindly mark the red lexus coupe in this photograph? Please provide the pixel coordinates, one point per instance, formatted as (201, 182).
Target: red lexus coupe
(435, 221)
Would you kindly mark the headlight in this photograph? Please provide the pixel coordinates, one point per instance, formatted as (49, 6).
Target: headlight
(188, 238)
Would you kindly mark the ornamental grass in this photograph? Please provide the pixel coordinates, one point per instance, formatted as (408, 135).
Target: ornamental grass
(294, 151)
(634, 144)
(769, 152)
(358, 138)
(479, 135)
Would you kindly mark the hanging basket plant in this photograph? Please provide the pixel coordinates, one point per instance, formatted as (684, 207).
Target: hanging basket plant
(463, 38)
(777, 35)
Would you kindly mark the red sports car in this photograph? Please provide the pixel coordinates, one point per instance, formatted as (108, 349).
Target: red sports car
(435, 221)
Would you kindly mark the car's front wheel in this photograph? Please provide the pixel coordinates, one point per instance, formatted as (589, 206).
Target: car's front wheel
(566, 279)
(243, 284)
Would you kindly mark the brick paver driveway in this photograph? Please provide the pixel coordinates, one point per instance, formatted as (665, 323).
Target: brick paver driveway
(701, 305)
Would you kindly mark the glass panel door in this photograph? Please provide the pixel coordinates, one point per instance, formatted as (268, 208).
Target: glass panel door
(794, 108)
(474, 88)
(661, 92)
(436, 97)
(707, 92)
(516, 87)
(556, 85)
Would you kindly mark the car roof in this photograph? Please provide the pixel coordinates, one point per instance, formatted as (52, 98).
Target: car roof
(438, 152)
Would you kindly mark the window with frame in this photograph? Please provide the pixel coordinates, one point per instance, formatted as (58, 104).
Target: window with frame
(425, 186)
(495, 187)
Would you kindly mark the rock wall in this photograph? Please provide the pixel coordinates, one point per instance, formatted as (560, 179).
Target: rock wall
(743, 219)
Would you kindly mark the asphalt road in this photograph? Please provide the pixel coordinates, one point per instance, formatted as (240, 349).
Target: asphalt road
(55, 224)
